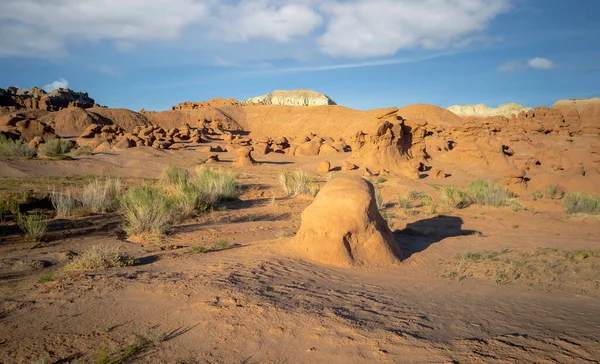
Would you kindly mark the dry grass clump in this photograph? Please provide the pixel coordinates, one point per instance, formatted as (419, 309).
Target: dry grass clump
(219, 185)
(488, 193)
(34, 226)
(101, 196)
(148, 213)
(296, 183)
(99, 257)
(64, 203)
(581, 203)
(454, 197)
(14, 148)
(174, 176)
(55, 147)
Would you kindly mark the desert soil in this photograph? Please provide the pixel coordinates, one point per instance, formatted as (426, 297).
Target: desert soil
(256, 301)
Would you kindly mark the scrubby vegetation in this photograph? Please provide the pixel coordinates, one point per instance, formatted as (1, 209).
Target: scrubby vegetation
(581, 203)
(174, 176)
(296, 183)
(99, 257)
(455, 197)
(33, 225)
(484, 192)
(15, 148)
(55, 147)
(65, 203)
(219, 185)
(101, 196)
(148, 213)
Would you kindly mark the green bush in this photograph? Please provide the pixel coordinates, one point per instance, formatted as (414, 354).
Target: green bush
(14, 148)
(148, 213)
(484, 192)
(581, 203)
(100, 257)
(55, 147)
(455, 197)
(34, 226)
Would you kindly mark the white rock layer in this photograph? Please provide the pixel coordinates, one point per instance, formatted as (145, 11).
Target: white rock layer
(293, 98)
(483, 111)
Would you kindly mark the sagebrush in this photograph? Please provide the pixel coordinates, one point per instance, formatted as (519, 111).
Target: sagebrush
(14, 148)
(100, 257)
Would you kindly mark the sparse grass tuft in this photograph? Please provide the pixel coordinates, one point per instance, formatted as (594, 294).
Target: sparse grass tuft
(64, 203)
(219, 185)
(46, 278)
(14, 148)
(487, 193)
(403, 203)
(148, 213)
(172, 176)
(454, 197)
(581, 203)
(536, 195)
(552, 191)
(379, 201)
(101, 196)
(296, 183)
(430, 207)
(381, 180)
(198, 249)
(34, 226)
(100, 257)
(222, 244)
(55, 147)
(79, 151)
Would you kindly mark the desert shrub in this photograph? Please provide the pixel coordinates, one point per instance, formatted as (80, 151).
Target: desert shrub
(34, 226)
(536, 195)
(430, 207)
(455, 197)
(101, 196)
(218, 185)
(484, 192)
(55, 147)
(99, 257)
(14, 148)
(148, 213)
(64, 203)
(188, 199)
(581, 203)
(296, 183)
(552, 191)
(403, 202)
(173, 176)
(84, 150)
(221, 244)
(9, 206)
(198, 249)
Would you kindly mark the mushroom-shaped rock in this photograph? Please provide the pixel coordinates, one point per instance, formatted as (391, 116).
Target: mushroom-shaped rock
(324, 167)
(343, 227)
(244, 157)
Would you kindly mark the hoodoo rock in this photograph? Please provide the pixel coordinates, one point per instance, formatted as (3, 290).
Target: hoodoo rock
(343, 227)
(244, 158)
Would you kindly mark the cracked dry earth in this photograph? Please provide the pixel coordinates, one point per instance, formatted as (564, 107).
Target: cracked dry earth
(257, 302)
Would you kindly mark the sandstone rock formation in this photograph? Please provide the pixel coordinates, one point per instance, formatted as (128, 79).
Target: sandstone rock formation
(481, 110)
(324, 167)
(36, 98)
(293, 98)
(343, 227)
(244, 158)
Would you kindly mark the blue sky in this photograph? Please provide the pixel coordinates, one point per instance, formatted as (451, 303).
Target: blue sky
(153, 54)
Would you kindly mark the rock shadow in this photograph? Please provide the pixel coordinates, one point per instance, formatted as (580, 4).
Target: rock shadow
(420, 235)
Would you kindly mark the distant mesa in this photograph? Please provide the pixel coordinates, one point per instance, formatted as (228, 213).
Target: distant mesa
(481, 110)
(293, 98)
(36, 98)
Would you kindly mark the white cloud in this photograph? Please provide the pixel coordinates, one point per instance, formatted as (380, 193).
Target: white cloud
(541, 64)
(60, 83)
(338, 28)
(372, 28)
(537, 63)
(262, 19)
(41, 28)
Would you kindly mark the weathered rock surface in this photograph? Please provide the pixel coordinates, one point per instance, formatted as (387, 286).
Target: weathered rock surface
(36, 98)
(293, 98)
(482, 110)
(343, 227)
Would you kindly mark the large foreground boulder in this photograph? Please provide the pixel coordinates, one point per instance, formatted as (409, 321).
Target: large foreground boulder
(343, 227)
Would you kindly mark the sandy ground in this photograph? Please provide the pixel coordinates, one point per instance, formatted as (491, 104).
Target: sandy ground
(257, 302)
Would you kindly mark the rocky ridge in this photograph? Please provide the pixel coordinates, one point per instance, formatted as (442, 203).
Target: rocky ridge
(293, 98)
(36, 98)
(482, 110)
